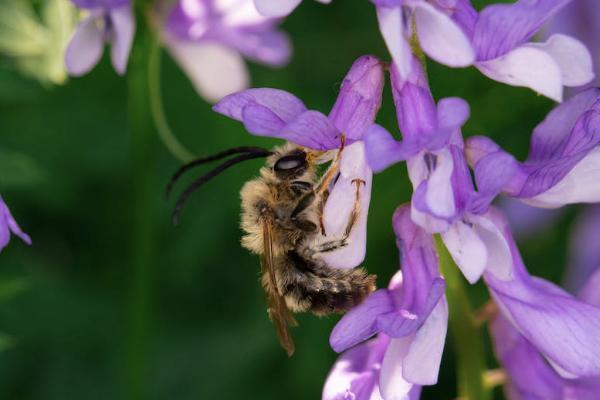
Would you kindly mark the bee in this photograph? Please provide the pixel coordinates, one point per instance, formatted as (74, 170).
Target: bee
(282, 218)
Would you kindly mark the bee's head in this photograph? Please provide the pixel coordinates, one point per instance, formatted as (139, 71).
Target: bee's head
(290, 165)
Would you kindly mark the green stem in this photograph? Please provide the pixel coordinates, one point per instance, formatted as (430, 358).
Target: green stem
(158, 115)
(465, 332)
(145, 192)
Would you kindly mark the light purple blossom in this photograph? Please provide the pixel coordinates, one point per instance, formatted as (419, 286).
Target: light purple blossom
(210, 38)
(279, 8)
(564, 159)
(108, 21)
(584, 252)
(410, 321)
(539, 380)
(444, 200)
(563, 329)
(8, 225)
(279, 114)
(494, 40)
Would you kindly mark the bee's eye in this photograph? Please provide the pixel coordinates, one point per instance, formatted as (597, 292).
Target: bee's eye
(291, 162)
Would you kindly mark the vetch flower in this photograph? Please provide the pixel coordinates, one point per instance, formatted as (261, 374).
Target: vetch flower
(563, 165)
(8, 225)
(209, 38)
(279, 8)
(108, 21)
(494, 40)
(444, 200)
(279, 114)
(563, 329)
(410, 320)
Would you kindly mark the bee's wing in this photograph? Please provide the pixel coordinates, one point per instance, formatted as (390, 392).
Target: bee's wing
(278, 311)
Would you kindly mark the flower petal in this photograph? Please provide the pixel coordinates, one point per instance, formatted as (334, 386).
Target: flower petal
(215, 70)
(124, 28)
(261, 121)
(8, 225)
(565, 330)
(360, 97)
(571, 56)
(392, 384)
(422, 285)
(359, 323)
(415, 107)
(421, 364)
(355, 174)
(392, 28)
(584, 252)
(500, 28)
(382, 150)
(526, 66)
(356, 372)
(284, 105)
(441, 38)
(85, 48)
(467, 249)
(312, 129)
(276, 8)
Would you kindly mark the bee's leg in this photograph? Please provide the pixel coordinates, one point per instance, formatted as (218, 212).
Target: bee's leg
(335, 244)
(320, 209)
(332, 171)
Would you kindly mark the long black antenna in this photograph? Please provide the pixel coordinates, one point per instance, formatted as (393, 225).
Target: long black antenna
(211, 174)
(203, 160)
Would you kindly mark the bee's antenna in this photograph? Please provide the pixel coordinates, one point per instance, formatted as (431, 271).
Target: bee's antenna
(203, 160)
(211, 174)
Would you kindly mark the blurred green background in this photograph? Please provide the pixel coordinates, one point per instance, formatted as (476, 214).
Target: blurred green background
(74, 327)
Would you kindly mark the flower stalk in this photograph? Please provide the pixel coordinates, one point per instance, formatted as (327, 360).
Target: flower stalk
(144, 194)
(465, 332)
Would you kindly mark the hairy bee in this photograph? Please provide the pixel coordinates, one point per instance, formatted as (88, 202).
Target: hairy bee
(282, 217)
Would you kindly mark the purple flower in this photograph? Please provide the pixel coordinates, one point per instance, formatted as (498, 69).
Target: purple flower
(8, 225)
(494, 40)
(108, 21)
(444, 200)
(410, 319)
(564, 159)
(563, 329)
(209, 38)
(539, 380)
(279, 114)
(279, 8)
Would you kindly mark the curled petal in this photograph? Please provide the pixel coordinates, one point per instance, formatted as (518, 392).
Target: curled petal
(85, 47)
(284, 105)
(392, 383)
(354, 181)
(360, 97)
(8, 225)
(441, 38)
(123, 27)
(215, 70)
(467, 249)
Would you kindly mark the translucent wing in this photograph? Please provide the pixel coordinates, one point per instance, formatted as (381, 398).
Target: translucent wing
(278, 311)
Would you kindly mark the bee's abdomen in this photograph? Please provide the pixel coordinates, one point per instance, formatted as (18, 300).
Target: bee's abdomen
(324, 290)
